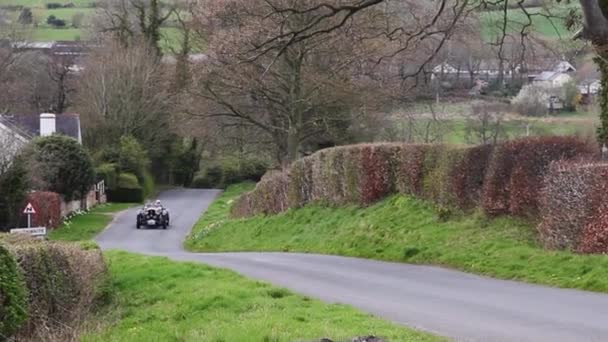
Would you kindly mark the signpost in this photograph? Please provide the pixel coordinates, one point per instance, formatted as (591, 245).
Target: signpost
(29, 211)
(39, 232)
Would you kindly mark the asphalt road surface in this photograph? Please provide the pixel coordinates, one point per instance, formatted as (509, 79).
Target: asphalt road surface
(450, 303)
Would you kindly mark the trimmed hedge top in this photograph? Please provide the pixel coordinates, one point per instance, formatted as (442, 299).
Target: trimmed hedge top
(503, 179)
(128, 181)
(62, 280)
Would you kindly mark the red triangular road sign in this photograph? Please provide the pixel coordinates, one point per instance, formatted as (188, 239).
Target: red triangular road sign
(29, 209)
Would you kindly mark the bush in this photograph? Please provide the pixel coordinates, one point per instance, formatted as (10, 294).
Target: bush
(148, 186)
(252, 169)
(14, 184)
(132, 157)
(516, 170)
(54, 21)
(48, 208)
(227, 171)
(62, 282)
(126, 195)
(108, 172)
(201, 181)
(532, 100)
(570, 94)
(242, 206)
(13, 296)
(271, 194)
(570, 198)
(128, 181)
(187, 162)
(66, 167)
(128, 190)
(214, 175)
(595, 235)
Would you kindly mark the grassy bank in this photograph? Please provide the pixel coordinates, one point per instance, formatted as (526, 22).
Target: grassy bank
(159, 300)
(406, 230)
(87, 226)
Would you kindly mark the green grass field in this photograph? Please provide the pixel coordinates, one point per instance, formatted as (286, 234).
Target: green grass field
(42, 3)
(402, 229)
(154, 299)
(549, 24)
(86, 226)
(454, 131)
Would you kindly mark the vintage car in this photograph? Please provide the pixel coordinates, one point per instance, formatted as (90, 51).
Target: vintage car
(153, 215)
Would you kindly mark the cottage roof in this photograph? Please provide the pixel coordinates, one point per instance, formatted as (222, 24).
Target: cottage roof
(29, 125)
(547, 76)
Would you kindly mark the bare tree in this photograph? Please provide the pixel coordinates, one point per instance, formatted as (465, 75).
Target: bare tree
(61, 72)
(485, 125)
(124, 91)
(323, 17)
(134, 20)
(308, 92)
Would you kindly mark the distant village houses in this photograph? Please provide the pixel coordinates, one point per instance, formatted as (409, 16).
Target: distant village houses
(543, 72)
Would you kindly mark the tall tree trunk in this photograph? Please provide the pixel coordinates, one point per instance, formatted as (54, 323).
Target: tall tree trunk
(596, 30)
(293, 144)
(602, 133)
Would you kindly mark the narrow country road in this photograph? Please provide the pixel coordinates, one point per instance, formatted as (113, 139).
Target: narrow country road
(450, 303)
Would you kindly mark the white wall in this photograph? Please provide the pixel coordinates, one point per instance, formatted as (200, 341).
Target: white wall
(10, 144)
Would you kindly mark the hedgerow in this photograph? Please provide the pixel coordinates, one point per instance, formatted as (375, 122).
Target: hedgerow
(300, 183)
(13, 296)
(376, 174)
(516, 170)
(468, 175)
(408, 168)
(569, 199)
(595, 235)
(62, 281)
(502, 179)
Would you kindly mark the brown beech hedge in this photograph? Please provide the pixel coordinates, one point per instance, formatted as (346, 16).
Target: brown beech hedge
(574, 209)
(556, 180)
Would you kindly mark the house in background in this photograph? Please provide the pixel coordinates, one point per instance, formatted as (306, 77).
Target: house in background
(561, 74)
(552, 79)
(21, 129)
(30, 126)
(12, 140)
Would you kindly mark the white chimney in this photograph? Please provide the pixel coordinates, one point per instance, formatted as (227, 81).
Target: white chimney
(47, 124)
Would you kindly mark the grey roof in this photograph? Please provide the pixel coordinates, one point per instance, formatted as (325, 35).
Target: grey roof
(66, 124)
(6, 122)
(547, 75)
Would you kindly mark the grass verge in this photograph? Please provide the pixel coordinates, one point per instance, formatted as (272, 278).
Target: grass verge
(88, 225)
(406, 230)
(155, 299)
